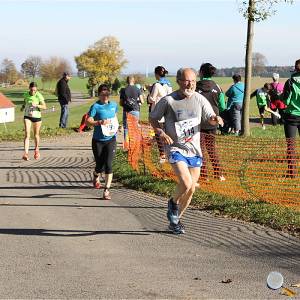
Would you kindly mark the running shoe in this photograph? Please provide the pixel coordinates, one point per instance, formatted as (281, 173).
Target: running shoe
(96, 181)
(177, 228)
(222, 178)
(36, 154)
(25, 156)
(162, 159)
(173, 212)
(106, 194)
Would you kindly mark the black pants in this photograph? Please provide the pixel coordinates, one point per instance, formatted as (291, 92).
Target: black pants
(104, 153)
(291, 125)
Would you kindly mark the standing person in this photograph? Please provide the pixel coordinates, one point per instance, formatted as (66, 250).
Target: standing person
(159, 89)
(33, 103)
(291, 97)
(215, 96)
(131, 99)
(275, 98)
(64, 97)
(103, 115)
(235, 96)
(183, 111)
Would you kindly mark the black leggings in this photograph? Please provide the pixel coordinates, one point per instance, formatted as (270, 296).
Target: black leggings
(291, 126)
(104, 152)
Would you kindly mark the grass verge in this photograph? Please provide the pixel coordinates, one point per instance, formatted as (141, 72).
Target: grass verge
(271, 215)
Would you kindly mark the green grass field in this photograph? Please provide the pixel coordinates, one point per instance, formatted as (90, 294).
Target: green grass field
(14, 130)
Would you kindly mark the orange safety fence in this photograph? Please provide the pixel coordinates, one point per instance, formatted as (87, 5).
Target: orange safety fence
(263, 169)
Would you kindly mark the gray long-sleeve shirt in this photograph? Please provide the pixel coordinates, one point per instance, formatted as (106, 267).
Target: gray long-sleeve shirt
(182, 121)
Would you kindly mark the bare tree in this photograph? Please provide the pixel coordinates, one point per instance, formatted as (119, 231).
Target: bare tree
(31, 66)
(259, 63)
(253, 11)
(53, 69)
(9, 71)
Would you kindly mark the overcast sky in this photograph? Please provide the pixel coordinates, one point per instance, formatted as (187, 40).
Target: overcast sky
(168, 33)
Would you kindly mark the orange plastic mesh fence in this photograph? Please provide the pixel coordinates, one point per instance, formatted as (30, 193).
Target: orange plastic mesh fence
(257, 169)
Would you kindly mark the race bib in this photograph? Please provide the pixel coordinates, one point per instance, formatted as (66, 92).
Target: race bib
(111, 128)
(186, 129)
(31, 111)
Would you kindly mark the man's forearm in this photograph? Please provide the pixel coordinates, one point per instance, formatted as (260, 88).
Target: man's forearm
(155, 124)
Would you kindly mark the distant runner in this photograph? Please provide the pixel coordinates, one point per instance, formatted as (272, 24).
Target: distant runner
(33, 103)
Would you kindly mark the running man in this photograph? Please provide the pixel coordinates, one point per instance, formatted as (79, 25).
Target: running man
(183, 111)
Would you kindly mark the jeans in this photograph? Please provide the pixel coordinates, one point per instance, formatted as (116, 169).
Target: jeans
(63, 115)
(291, 126)
(235, 112)
(125, 125)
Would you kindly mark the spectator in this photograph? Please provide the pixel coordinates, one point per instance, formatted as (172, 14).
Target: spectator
(130, 99)
(64, 97)
(275, 98)
(235, 96)
(159, 89)
(215, 96)
(263, 102)
(291, 97)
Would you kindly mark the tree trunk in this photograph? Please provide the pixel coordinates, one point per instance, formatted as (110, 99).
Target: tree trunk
(248, 71)
(93, 91)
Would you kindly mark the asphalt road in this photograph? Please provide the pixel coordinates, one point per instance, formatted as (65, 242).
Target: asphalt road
(60, 240)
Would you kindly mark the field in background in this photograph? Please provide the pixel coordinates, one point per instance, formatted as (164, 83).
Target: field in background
(14, 130)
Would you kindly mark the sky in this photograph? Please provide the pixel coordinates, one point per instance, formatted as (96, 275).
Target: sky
(174, 34)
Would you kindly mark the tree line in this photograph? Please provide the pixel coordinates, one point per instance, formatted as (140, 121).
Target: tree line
(259, 68)
(48, 70)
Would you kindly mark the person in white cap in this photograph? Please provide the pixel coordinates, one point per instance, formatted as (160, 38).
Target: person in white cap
(275, 102)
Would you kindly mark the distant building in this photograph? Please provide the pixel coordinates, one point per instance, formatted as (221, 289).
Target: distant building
(7, 110)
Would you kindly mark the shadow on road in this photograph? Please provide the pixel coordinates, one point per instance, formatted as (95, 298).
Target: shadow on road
(73, 233)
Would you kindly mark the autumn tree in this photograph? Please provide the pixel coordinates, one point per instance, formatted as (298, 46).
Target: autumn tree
(253, 11)
(259, 63)
(102, 62)
(9, 71)
(31, 66)
(53, 69)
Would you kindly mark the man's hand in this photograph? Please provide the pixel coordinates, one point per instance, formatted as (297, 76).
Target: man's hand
(216, 120)
(103, 122)
(165, 138)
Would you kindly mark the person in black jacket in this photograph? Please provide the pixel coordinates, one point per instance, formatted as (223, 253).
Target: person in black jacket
(131, 99)
(64, 97)
(215, 96)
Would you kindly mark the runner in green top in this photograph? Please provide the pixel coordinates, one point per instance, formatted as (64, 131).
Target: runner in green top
(33, 103)
(263, 102)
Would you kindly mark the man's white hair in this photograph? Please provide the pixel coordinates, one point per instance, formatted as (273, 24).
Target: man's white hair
(181, 71)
